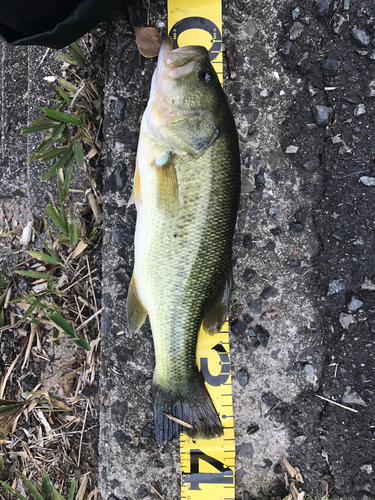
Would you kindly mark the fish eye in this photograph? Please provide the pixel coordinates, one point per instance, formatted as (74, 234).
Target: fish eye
(207, 76)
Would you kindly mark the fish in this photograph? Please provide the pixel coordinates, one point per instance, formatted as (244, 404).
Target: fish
(186, 191)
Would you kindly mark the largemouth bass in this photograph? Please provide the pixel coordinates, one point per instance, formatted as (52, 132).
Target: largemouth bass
(186, 190)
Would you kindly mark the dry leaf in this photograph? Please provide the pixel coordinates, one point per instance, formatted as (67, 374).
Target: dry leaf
(291, 470)
(95, 207)
(294, 491)
(79, 249)
(299, 475)
(60, 404)
(82, 489)
(148, 41)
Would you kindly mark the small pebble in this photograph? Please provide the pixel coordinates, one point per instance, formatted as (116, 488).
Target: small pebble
(322, 7)
(243, 377)
(354, 304)
(276, 231)
(361, 36)
(250, 28)
(309, 369)
(304, 263)
(269, 292)
(296, 30)
(300, 440)
(367, 468)
(311, 165)
(359, 110)
(245, 450)
(291, 149)
(296, 227)
(331, 67)
(256, 196)
(352, 397)
(273, 210)
(322, 114)
(262, 335)
(285, 49)
(346, 4)
(335, 287)
(295, 13)
(345, 320)
(305, 55)
(252, 429)
(367, 181)
(257, 306)
(269, 399)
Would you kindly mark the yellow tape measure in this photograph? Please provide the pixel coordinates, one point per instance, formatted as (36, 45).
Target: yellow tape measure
(207, 465)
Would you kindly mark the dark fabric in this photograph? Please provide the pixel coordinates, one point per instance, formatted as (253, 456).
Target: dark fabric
(51, 23)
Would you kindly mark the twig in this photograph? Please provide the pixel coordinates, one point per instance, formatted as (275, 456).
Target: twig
(90, 318)
(7, 375)
(29, 345)
(75, 282)
(338, 404)
(93, 293)
(155, 491)
(43, 58)
(81, 439)
(181, 422)
(7, 297)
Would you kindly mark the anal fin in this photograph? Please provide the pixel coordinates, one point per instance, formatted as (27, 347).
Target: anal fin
(136, 313)
(218, 309)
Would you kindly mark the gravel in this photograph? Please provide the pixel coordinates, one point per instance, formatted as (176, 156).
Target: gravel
(322, 115)
(367, 181)
(354, 304)
(361, 36)
(335, 286)
(352, 397)
(331, 67)
(359, 110)
(345, 320)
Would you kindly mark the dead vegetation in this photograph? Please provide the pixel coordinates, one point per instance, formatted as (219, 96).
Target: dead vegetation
(50, 310)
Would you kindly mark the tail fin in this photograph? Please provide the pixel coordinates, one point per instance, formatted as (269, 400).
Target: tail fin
(191, 404)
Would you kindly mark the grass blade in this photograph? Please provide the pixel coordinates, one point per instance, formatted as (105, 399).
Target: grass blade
(58, 165)
(78, 153)
(31, 489)
(55, 217)
(73, 236)
(81, 342)
(63, 94)
(72, 489)
(59, 116)
(45, 258)
(37, 128)
(53, 153)
(63, 324)
(34, 274)
(32, 307)
(12, 491)
(67, 85)
(68, 178)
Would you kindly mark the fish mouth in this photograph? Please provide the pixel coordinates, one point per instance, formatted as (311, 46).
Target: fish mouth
(179, 62)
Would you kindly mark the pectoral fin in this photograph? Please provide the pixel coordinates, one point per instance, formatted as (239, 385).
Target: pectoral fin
(218, 309)
(136, 313)
(167, 181)
(135, 197)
